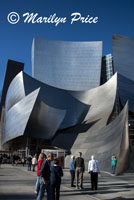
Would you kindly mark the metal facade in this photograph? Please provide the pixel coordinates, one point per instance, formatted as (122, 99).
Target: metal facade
(66, 106)
(123, 58)
(67, 65)
(13, 68)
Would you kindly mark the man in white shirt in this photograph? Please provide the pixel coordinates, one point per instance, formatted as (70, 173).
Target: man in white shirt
(93, 169)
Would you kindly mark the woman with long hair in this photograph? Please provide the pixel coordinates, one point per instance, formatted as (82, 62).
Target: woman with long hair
(41, 158)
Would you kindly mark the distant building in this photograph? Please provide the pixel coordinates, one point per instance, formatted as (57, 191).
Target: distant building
(107, 68)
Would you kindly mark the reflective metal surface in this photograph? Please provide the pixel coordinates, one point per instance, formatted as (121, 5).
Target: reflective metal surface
(44, 121)
(13, 68)
(123, 58)
(67, 65)
(104, 142)
(16, 118)
(58, 99)
(41, 120)
(94, 135)
(123, 55)
(15, 92)
(101, 100)
(126, 91)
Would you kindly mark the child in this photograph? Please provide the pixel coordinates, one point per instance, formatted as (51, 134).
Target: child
(56, 173)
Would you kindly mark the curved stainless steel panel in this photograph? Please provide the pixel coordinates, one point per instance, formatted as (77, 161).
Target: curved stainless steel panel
(67, 65)
(15, 120)
(12, 69)
(126, 91)
(44, 121)
(15, 91)
(102, 101)
(123, 58)
(124, 156)
(58, 99)
(103, 142)
(97, 138)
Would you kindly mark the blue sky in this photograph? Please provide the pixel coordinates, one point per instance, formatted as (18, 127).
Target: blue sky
(114, 17)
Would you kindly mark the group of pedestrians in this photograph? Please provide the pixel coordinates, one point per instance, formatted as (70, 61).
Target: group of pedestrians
(77, 168)
(31, 163)
(49, 174)
(15, 159)
(48, 177)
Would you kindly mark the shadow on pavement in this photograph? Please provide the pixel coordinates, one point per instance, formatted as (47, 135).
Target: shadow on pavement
(17, 197)
(121, 198)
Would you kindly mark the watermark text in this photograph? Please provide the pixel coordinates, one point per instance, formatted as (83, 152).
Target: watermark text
(35, 18)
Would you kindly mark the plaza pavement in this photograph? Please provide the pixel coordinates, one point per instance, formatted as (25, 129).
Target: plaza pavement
(16, 183)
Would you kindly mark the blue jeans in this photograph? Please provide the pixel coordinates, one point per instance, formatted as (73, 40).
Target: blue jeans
(33, 167)
(113, 169)
(72, 172)
(42, 189)
(37, 186)
(29, 166)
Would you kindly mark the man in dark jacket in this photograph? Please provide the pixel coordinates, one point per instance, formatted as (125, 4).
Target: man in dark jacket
(29, 163)
(45, 181)
(79, 168)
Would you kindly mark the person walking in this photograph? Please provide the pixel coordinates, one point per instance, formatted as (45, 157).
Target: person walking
(79, 168)
(45, 178)
(17, 158)
(114, 163)
(13, 159)
(34, 162)
(41, 158)
(93, 169)
(29, 163)
(56, 174)
(23, 161)
(72, 170)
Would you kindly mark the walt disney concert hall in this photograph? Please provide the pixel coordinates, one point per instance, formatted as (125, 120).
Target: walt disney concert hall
(75, 100)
